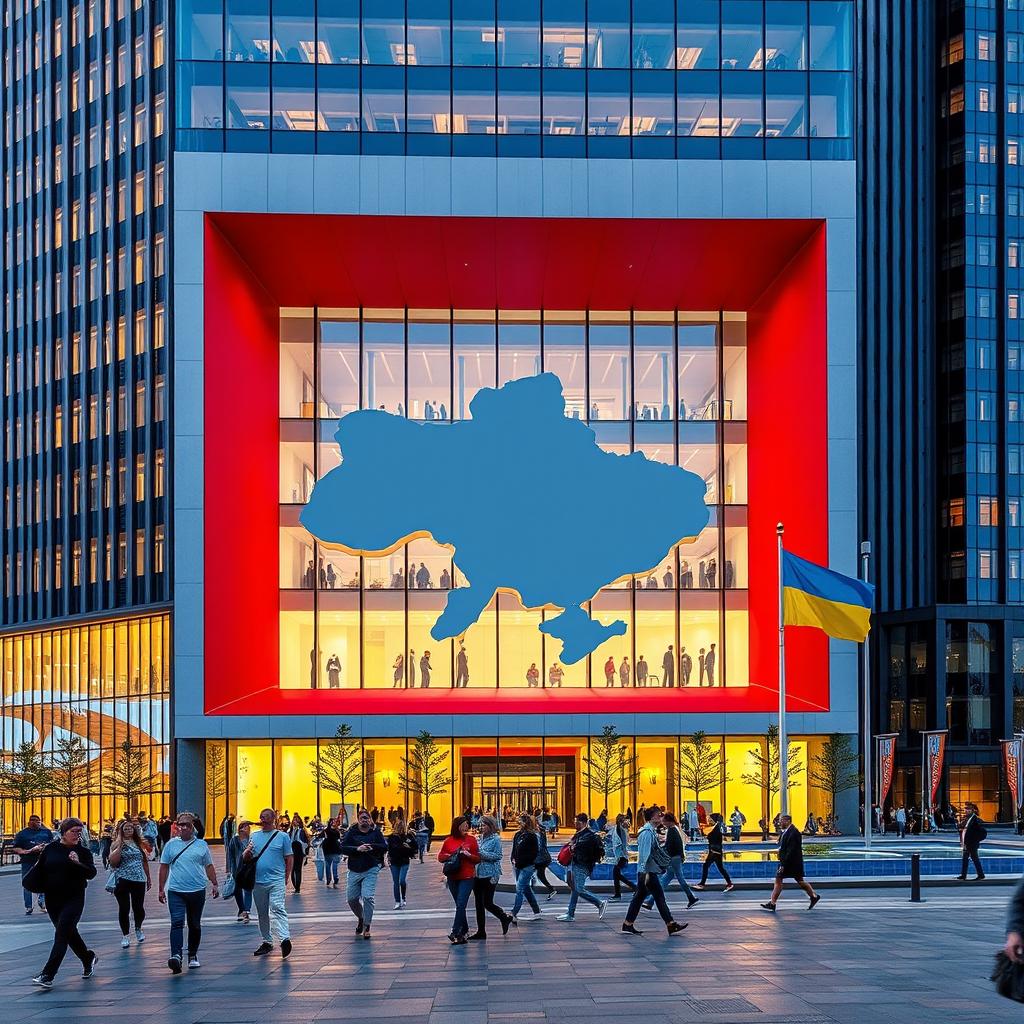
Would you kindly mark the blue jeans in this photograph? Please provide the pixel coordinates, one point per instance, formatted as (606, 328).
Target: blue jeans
(360, 891)
(524, 889)
(461, 890)
(243, 899)
(319, 863)
(182, 906)
(674, 870)
(422, 840)
(28, 896)
(399, 872)
(579, 877)
(331, 861)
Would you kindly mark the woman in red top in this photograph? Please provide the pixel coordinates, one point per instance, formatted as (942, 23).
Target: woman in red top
(462, 844)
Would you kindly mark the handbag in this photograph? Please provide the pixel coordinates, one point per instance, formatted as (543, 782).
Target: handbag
(543, 857)
(565, 855)
(111, 881)
(245, 873)
(453, 864)
(228, 889)
(1009, 978)
(35, 877)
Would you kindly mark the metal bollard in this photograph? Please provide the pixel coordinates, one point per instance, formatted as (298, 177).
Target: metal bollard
(915, 878)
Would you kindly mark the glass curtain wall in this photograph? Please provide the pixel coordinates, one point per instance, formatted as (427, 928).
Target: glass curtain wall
(668, 384)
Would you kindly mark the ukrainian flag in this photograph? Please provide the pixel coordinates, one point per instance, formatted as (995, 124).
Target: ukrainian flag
(816, 596)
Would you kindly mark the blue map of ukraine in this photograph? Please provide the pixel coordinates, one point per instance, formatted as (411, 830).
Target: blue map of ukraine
(524, 496)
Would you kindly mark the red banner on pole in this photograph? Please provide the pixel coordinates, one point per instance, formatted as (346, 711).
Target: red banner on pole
(1011, 762)
(886, 765)
(935, 750)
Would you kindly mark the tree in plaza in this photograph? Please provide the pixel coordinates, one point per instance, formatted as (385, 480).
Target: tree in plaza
(24, 776)
(425, 771)
(339, 768)
(130, 776)
(69, 771)
(835, 769)
(609, 766)
(766, 774)
(700, 765)
(216, 775)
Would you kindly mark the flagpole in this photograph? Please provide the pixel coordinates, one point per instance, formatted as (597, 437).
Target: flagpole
(783, 743)
(869, 816)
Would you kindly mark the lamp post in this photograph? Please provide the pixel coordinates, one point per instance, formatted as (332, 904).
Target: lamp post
(865, 555)
(783, 741)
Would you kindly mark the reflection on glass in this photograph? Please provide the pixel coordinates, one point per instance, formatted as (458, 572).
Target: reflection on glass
(429, 100)
(429, 335)
(653, 369)
(337, 27)
(429, 32)
(564, 102)
(742, 115)
(519, 33)
(785, 35)
(384, 363)
(383, 99)
(294, 33)
(653, 30)
(785, 106)
(698, 29)
(337, 94)
(699, 103)
(608, 34)
(518, 101)
(564, 39)
(698, 367)
(608, 103)
(473, 101)
(294, 102)
(609, 368)
(473, 32)
(339, 361)
(565, 356)
(831, 105)
(384, 32)
(248, 30)
(475, 361)
(653, 103)
(247, 96)
(741, 35)
(832, 36)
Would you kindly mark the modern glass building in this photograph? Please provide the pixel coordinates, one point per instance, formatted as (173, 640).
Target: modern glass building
(85, 530)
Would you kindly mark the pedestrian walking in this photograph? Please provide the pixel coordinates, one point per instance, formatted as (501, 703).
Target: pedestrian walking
(616, 849)
(185, 867)
(271, 851)
(901, 822)
(28, 844)
(525, 852)
(236, 848)
(485, 882)
(151, 835)
(331, 849)
(586, 851)
(298, 834)
(675, 846)
(402, 847)
(972, 835)
(459, 854)
(737, 820)
(544, 861)
(1014, 947)
(651, 862)
(791, 864)
(364, 846)
(132, 880)
(715, 856)
(62, 873)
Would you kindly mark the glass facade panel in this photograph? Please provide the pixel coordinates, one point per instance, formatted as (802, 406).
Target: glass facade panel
(429, 32)
(248, 30)
(519, 33)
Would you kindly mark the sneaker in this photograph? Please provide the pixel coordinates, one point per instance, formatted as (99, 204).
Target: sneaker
(359, 927)
(551, 896)
(42, 904)
(649, 909)
(263, 949)
(140, 935)
(398, 906)
(125, 942)
(404, 902)
(537, 915)
(564, 917)
(174, 963)
(601, 909)
(692, 903)
(814, 900)
(89, 969)
(42, 980)
(699, 886)
(28, 913)
(614, 899)
(770, 907)
(729, 887)
(240, 917)
(286, 948)
(245, 918)
(193, 963)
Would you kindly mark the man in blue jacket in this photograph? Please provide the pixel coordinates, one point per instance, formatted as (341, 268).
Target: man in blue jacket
(364, 846)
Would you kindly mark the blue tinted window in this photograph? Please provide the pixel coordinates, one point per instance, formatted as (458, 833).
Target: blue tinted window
(564, 102)
(608, 34)
(564, 38)
(518, 101)
(337, 26)
(200, 29)
(831, 105)
(785, 35)
(248, 35)
(294, 102)
(429, 108)
(831, 36)
(473, 33)
(608, 103)
(698, 103)
(338, 99)
(519, 33)
(247, 96)
(654, 44)
(384, 32)
(698, 29)
(473, 101)
(429, 32)
(654, 103)
(294, 32)
(741, 105)
(383, 99)
(200, 95)
(785, 106)
(741, 35)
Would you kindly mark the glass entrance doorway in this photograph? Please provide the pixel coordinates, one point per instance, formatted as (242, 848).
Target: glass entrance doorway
(512, 787)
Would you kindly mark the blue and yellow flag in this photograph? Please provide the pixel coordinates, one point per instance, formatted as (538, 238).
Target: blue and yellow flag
(816, 596)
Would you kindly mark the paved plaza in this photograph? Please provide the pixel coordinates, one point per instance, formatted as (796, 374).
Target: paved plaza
(861, 955)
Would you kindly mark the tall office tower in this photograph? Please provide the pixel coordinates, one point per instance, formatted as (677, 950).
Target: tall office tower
(941, 399)
(84, 621)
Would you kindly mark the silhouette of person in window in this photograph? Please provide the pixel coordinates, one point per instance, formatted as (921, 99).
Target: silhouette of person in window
(332, 576)
(712, 573)
(609, 671)
(310, 575)
(685, 666)
(399, 668)
(709, 665)
(701, 659)
(422, 577)
(532, 675)
(686, 577)
(641, 671)
(461, 667)
(412, 667)
(668, 579)
(443, 412)
(446, 580)
(428, 411)
(624, 672)
(668, 668)
(334, 671)
(555, 674)
(425, 671)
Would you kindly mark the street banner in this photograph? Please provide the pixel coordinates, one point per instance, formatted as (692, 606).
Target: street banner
(886, 764)
(934, 752)
(1011, 762)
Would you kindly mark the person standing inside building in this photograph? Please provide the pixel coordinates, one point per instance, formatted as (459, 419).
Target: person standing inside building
(641, 671)
(185, 867)
(364, 846)
(485, 882)
(460, 854)
(791, 864)
(402, 847)
(425, 671)
(668, 668)
(701, 659)
(64, 868)
(236, 847)
(971, 837)
(709, 665)
(555, 674)
(624, 672)
(132, 880)
(685, 667)
(271, 849)
(334, 672)
(667, 579)
(28, 844)
(412, 669)
(587, 852)
(299, 837)
(715, 856)
(609, 671)
(399, 667)
(651, 861)
(461, 667)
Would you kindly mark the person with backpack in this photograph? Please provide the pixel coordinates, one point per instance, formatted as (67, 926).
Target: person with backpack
(485, 883)
(185, 867)
(585, 852)
(675, 846)
(459, 854)
(402, 848)
(651, 862)
(364, 846)
(715, 855)
(972, 835)
(525, 851)
(616, 849)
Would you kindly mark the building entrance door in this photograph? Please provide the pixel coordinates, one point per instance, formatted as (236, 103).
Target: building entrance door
(510, 787)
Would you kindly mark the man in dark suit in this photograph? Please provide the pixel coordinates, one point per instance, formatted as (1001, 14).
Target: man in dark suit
(791, 863)
(974, 832)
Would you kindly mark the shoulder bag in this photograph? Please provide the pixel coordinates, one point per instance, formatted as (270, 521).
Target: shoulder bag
(453, 864)
(245, 873)
(35, 877)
